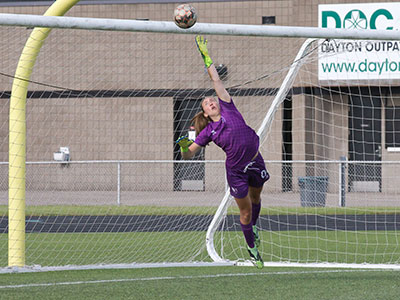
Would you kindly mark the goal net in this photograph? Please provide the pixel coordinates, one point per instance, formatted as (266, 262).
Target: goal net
(105, 183)
(331, 149)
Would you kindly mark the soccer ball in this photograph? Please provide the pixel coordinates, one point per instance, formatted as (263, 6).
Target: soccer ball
(185, 16)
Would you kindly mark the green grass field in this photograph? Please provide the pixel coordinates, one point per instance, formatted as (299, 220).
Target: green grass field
(101, 210)
(56, 249)
(203, 283)
(53, 249)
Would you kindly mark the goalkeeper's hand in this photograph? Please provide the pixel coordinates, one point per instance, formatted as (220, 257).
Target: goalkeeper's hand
(184, 143)
(201, 43)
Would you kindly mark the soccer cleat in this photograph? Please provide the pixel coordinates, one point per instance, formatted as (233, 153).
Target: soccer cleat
(257, 240)
(255, 255)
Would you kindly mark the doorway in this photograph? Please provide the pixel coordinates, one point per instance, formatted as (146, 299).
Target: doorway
(365, 142)
(188, 176)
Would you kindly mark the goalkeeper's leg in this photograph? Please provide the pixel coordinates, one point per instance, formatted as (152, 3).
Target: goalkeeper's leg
(258, 175)
(246, 223)
(254, 194)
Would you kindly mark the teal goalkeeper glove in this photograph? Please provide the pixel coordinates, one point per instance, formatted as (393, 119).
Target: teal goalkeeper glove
(201, 43)
(184, 143)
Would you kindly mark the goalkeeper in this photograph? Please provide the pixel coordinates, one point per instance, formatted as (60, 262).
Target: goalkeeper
(220, 122)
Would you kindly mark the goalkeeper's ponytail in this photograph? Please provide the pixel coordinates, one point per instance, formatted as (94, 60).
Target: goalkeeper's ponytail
(200, 122)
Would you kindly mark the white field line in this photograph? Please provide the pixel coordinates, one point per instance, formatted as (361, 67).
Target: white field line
(183, 277)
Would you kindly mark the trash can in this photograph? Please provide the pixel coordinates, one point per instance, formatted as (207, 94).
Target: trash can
(313, 190)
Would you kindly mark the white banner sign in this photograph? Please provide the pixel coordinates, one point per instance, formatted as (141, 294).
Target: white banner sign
(359, 60)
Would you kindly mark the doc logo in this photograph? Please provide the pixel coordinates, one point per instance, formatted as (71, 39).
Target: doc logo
(358, 16)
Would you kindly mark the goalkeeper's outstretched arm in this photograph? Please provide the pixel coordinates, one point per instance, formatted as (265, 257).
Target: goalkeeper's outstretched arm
(210, 111)
(219, 88)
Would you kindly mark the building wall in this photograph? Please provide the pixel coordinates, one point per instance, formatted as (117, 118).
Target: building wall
(141, 128)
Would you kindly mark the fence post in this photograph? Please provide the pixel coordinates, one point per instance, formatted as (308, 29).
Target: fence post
(119, 184)
(342, 181)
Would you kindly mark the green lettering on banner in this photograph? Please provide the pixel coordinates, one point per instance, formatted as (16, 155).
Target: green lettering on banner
(355, 19)
(362, 66)
(330, 14)
(376, 14)
(382, 65)
(370, 65)
(393, 66)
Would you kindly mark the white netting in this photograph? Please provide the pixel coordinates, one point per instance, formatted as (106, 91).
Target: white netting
(119, 100)
(332, 198)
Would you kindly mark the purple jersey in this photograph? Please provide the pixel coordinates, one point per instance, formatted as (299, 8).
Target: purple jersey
(232, 134)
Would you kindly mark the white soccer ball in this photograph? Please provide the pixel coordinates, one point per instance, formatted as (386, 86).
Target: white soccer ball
(185, 16)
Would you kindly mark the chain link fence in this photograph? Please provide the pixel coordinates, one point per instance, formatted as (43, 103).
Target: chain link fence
(200, 183)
